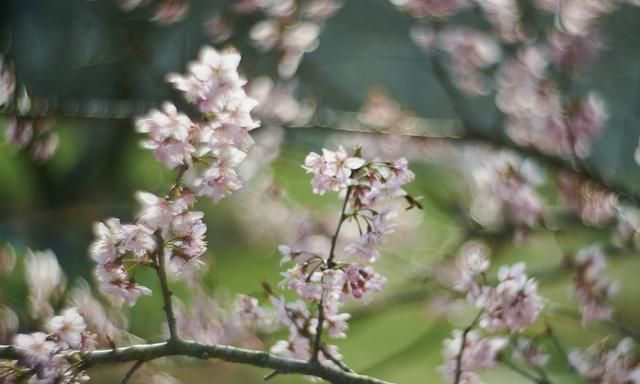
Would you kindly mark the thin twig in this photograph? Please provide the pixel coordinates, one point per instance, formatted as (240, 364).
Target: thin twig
(463, 343)
(330, 264)
(523, 373)
(164, 287)
(137, 365)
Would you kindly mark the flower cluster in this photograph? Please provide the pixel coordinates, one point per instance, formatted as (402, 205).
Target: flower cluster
(513, 304)
(167, 234)
(505, 183)
(210, 151)
(479, 353)
(603, 365)
(46, 357)
(591, 203)
(165, 13)
(536, 113)
(292, 30)
(592, 288)
(470, 52)
(326, 278)
(32, 134)
(119, 249)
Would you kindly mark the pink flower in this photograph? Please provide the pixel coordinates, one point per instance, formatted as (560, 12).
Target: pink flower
(332, 170)
(170, 135)
(109, 235)
(156, 212)
(36, 347)
(379, 226)
(68, 327)
(479, 353)
(114, 282)
(513, 304)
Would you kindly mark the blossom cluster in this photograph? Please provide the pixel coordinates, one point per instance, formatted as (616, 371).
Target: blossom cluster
(505, 185)
(592, 203)
(538, 114)
(602, 364)
(291, 28)
(165, 13)
(167, 233)
(534, 97)
(479, 353)
(46, 357)
(209, 151)
(592, 288)
(326, 278)
(513, 304)
(31, 134)
(471, 52)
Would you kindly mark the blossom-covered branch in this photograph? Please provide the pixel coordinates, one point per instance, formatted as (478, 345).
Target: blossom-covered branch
(148, 352)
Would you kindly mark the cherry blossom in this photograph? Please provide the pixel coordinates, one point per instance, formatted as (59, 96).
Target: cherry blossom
(601, 364)
(45, 279)
(513, 304)
(479, 353)
(68, 327)
(592, 288)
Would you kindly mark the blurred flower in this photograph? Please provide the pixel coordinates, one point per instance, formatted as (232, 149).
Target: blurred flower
(592, 289)
(95, 314)
(170, 12)
(479, 353)
(7, 82)
(603, 365)
(593, 204)
(530, 353)
(469, 51)
(45, 280)
(513, 304)
(432, 8)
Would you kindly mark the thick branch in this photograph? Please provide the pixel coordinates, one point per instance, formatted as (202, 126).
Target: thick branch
(260, 359)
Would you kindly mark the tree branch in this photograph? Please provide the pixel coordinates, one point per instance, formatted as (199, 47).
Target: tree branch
(330, 264)
(147, 352)
(164, 286)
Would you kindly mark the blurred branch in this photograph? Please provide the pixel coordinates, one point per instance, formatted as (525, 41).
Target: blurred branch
(147, 352)
(100, 109)
(455, 131)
